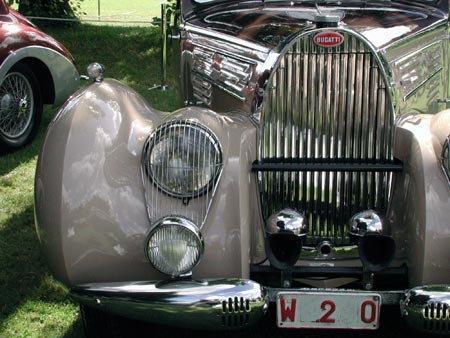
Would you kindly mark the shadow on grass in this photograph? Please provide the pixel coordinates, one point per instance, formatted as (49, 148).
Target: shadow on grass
(11, 158)
(21, 267)
(28, 291)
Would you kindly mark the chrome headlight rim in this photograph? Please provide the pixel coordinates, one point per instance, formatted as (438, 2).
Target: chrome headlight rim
(184, 224)
(445, 158)
(160, 132)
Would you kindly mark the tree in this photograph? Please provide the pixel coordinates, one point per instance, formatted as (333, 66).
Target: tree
(66, 9)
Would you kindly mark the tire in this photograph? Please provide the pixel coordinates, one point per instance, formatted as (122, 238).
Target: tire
(20, 106)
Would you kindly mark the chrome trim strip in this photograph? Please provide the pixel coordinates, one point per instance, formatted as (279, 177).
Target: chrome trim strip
(268, 165)
(213, 304)
(419, 85)
(241, 98)
(417, 68)
(224, 52)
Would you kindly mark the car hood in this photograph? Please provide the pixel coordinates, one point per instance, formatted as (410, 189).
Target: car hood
(272, 23)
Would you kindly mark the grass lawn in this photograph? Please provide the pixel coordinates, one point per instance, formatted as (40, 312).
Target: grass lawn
(32, 304)
(138, 10)
(110, 11)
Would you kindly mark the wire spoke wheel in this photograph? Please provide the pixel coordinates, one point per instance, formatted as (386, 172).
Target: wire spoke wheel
(20, 106)
(16, 105)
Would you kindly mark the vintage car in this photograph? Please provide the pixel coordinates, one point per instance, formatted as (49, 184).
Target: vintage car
(35, 69)
(308, 172)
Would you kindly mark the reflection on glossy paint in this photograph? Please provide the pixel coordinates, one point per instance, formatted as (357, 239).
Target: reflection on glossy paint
(12, 28)
(381, 36)
(114, 107)
(139, 132)
(120, 250)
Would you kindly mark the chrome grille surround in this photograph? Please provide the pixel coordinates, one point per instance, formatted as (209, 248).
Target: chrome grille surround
(194, 206)
(328, 110)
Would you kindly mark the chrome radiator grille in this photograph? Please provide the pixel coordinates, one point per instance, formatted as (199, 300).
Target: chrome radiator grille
(326, 112)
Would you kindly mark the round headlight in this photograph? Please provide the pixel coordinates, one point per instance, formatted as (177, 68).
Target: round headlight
(183, 158)
(174, 246)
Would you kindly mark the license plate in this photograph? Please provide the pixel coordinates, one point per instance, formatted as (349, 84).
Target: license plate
(328, 310)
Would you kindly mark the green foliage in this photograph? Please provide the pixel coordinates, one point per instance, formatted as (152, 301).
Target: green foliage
(172, 13)
(65, 9)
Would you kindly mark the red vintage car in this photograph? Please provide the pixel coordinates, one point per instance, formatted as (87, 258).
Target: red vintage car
(35, 69)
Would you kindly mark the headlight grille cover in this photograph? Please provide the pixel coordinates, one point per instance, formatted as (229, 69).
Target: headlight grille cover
(182, 162)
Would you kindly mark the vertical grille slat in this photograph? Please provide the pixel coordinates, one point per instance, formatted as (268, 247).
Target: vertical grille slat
(326, 105)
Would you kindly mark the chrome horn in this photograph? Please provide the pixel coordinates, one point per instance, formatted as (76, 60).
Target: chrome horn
(285, 230)
(376, 246)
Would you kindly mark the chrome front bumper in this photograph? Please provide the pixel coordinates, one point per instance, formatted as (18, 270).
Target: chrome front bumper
(207, 304)
(217, 304)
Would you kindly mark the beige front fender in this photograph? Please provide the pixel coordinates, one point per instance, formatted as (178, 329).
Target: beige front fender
(91, 212)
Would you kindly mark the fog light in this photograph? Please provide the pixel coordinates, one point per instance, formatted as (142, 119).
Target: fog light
(174, 246)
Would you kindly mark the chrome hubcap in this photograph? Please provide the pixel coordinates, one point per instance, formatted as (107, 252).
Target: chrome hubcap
(22, 106)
